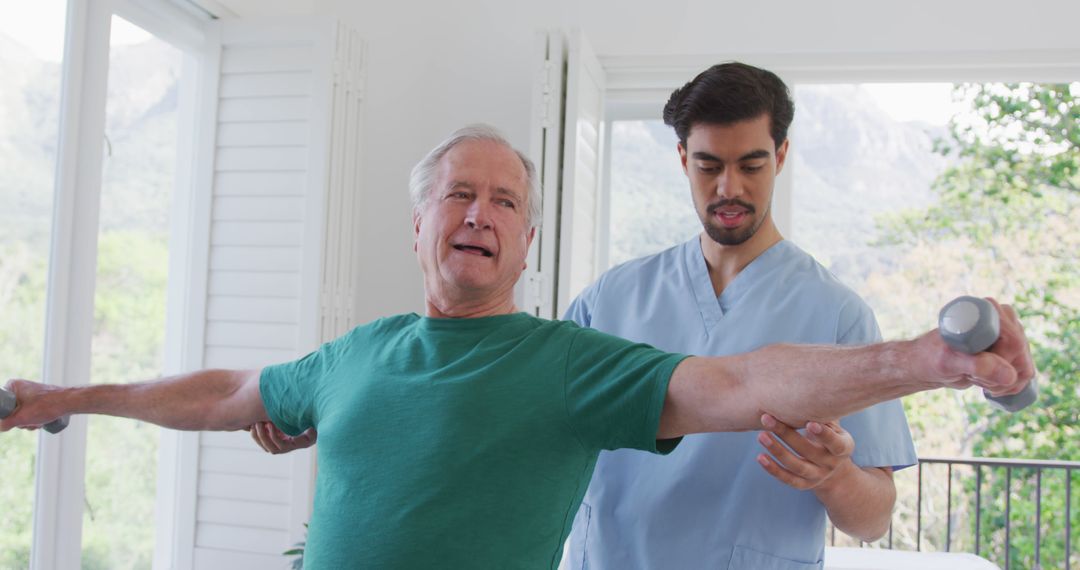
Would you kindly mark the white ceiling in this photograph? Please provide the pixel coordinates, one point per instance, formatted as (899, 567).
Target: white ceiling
(252, 8)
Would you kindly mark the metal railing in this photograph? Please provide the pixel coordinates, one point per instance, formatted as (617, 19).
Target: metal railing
(1035, 467)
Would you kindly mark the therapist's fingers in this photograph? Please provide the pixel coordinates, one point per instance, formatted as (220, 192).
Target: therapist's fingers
(787, 477)
(306, 439)
(790, 462)
(260, 433)
(804, 462)
(795, 440)
(830, 435)
(275, 441)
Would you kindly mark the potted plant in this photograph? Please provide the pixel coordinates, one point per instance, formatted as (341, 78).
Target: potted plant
(298, 551)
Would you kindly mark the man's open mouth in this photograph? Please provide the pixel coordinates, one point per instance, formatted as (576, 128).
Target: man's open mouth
(474, 249)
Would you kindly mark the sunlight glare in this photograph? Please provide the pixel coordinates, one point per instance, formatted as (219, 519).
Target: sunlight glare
(929, 103)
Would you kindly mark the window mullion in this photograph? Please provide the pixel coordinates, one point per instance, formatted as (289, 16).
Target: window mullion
(72, 268)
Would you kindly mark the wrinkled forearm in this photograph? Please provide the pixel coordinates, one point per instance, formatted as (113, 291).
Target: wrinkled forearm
(798, 384)
(860, 501)
(794, 383)
(202, 400)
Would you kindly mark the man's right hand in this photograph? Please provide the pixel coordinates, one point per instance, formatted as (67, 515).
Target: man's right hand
(275, 441)
(38, 405)
(1005, 369)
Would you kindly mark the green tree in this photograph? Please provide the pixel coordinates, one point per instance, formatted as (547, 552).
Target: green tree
(121, 462)
(129, 323)
(1007, 216)
(22, 303)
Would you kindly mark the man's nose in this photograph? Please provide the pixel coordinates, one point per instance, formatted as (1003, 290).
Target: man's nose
(478, 216)
(728, 184)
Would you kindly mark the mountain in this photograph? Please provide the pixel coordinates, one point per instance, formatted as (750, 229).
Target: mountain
(29, 106)
(851, 163)
(142, 83)
(138, 168)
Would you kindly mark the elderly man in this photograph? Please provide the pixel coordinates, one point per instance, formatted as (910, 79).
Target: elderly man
(466, 437)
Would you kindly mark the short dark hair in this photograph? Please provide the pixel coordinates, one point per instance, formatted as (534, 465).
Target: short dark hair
(728, 93)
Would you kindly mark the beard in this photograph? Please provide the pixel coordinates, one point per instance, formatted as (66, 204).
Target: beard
(733, 236)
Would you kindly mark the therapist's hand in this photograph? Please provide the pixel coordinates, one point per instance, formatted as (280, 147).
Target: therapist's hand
(274, 441)
(818, 457)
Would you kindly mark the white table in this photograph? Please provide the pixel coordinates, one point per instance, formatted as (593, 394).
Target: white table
(838, 558)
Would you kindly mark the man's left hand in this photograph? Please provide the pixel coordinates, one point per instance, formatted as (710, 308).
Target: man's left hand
(812, 460)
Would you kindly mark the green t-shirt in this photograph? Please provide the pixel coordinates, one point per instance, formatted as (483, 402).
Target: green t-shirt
(462, 443)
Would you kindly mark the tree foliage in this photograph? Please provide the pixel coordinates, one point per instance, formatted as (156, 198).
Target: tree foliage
(1009, 213)
(129, 315)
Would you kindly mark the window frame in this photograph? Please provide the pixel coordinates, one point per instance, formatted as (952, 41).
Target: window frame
(60, 470)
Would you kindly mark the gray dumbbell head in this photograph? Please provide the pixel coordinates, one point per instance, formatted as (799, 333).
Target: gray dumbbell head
(57, 425)
(969, 324)
(1016, 402)
(7, 403)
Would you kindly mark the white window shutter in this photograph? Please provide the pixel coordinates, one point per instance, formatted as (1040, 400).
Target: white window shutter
(279, 275)
(339, 269)
(581, 184)
(570, 81)
(536, 289)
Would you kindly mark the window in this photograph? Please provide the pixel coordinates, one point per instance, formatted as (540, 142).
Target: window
(138, 175)
(860, 152)
(31, 50)
(650, 203)
(120, 212)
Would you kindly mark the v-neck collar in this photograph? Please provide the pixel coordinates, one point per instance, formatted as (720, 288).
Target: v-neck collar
(711, 307)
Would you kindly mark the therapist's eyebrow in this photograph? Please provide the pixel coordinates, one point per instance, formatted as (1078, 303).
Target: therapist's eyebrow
(755, 155)
(752, 155)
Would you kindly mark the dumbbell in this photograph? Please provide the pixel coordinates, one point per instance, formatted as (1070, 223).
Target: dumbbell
(971, 325)
(8, 403)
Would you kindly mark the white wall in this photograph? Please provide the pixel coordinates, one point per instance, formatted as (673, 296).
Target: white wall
(434, 66)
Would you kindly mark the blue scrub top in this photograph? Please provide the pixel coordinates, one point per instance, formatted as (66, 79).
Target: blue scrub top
(709, 504)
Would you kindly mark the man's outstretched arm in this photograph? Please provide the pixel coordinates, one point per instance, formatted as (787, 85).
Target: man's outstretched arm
(800, 383)
(203, 400)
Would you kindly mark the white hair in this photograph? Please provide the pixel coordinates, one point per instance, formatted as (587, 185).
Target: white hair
(423, 174)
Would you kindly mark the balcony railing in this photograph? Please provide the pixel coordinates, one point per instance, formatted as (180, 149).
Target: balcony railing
(1019, 474)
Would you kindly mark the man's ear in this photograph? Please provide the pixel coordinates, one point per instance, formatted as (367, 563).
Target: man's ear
(682, 157)
(528, 244)
(781, 156)
(416, 230)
